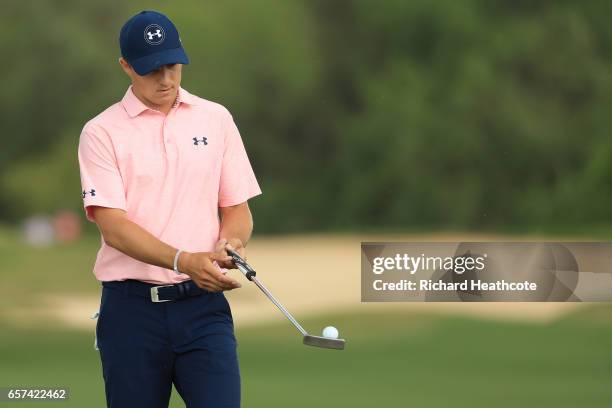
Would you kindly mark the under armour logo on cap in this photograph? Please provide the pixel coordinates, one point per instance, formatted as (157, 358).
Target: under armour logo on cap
(149, 40)
(196, 141)
(92, 192)
(154, 34)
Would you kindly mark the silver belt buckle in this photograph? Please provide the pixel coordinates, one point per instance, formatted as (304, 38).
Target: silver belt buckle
(155, 294)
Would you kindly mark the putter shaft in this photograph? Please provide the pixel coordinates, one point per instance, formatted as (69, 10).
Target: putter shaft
(308, 339)
(273, 299)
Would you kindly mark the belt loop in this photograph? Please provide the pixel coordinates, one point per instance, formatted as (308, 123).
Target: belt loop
(181, 289)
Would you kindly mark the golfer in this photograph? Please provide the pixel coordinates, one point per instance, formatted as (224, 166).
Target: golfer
(166, 179)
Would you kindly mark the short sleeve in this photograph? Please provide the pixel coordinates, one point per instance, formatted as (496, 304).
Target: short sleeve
(101, 182)
(238, 182)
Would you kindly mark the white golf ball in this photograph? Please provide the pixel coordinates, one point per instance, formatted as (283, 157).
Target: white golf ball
(330, 332)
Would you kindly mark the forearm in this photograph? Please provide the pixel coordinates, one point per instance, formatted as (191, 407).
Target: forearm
(236, 222)
(134, 241)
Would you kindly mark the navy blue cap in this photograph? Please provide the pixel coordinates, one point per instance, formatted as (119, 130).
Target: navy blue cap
(149, 40)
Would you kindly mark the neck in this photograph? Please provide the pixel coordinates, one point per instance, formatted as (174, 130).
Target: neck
(163, 108)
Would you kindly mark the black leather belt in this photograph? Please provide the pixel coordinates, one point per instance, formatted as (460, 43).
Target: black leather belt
(157, 293)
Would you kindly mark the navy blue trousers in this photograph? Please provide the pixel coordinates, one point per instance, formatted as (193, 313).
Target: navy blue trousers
(146, 347)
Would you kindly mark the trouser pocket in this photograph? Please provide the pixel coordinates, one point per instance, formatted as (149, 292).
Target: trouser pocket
(97, 316)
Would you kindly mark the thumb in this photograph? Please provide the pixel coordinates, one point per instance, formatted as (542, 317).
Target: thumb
(215, 256)
(221, 245)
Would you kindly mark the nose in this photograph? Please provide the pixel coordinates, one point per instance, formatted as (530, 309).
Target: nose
(165, 74)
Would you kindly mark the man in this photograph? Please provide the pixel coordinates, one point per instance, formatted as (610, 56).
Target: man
(158, 170)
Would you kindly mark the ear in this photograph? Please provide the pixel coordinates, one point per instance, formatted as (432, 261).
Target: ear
(127, 68)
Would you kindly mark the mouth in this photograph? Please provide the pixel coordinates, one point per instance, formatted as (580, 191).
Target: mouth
(165, 90)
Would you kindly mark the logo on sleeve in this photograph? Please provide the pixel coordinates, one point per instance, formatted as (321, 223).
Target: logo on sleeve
(197, 141)
(92, 192)
(154, 34)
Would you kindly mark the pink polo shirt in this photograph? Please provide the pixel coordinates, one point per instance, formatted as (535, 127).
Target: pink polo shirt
(169, 173)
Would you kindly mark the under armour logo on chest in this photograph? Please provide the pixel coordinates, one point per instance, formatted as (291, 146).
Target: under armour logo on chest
(92, 192)
(197, 141)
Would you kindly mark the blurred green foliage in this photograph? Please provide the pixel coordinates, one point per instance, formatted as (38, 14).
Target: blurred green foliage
(474, 114)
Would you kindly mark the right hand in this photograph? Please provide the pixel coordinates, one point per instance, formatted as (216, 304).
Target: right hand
(204, 273)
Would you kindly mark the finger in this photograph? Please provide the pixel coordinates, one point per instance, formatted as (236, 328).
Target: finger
(202, 284)
(227, 265)
(220, 257)
(220, 247)
(212, 272)
(209, 284)
(226, 281)
(237, 248)
(218, 265)
(212, 287)
(228, 286)
(223, 266)
(215, 277)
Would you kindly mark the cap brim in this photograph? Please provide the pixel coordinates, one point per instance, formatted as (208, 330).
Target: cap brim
(149, 63)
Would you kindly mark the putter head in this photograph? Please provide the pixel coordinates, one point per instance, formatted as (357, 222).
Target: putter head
(324, 342)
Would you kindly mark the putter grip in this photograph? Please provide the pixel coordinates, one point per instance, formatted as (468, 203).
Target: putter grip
(242, 265)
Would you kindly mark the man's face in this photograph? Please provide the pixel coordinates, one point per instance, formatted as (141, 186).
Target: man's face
(158, 88)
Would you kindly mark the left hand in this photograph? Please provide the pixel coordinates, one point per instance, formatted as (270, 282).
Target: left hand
(234, 244)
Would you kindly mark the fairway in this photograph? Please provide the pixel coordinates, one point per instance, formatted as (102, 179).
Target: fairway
(391, 360)
(397, 355)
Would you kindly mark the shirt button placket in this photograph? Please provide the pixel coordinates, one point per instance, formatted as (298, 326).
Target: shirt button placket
(167, 138)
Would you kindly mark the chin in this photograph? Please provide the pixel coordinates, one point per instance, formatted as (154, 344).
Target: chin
(160, 99)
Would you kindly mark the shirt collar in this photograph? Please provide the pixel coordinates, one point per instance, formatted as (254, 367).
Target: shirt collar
(134, 106)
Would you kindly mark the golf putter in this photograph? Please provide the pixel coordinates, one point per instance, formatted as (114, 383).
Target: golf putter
(308, 339)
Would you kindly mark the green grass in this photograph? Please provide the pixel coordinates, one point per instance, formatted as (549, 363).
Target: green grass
(28, 271)
(391, 360)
